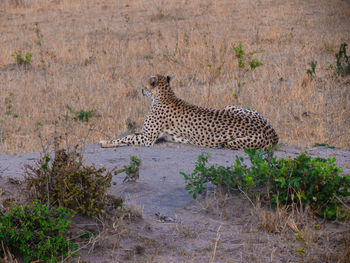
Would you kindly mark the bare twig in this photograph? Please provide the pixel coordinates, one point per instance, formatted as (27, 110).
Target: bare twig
(8, 257)
(341, 201)
(245, 194)
(216, 244)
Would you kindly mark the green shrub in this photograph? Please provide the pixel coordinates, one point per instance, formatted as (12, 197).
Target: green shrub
(313, 181)
(254, 63)
(132, 170)
(343, 61)
(37, 232)
(303, 180)
(220, 175)
(6, 117)
(240, 55)
(81, 115)
(243, 60)
(312, 70)
(65, 181)
(22, 59)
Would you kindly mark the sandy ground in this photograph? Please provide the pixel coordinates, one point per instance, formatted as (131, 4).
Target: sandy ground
(194, 226)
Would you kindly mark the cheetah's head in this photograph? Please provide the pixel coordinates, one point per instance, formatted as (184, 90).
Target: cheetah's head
(156, 87)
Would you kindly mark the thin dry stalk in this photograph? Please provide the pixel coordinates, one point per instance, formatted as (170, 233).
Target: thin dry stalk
(108, 230)
(135, 208)
(216, 244)
(7, 255)
(216, 202)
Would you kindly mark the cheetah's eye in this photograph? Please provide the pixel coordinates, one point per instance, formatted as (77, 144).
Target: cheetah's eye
(153, 81)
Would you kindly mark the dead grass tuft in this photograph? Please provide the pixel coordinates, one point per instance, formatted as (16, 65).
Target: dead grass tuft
(136, 210)
(269, 234)
(185, 231)
(281, 218)
(344, 255)
(217, 202)
(7, 256)
(307, 234)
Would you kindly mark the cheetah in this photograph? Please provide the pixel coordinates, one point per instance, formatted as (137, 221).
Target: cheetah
(232, 127)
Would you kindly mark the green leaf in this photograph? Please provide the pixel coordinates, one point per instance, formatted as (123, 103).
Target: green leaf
(254, 63)
(281, 180)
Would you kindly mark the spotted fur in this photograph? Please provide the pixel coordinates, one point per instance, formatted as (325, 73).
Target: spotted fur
(233, 127)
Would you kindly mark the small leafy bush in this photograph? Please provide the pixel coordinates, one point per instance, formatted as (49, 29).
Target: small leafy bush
(81, 115)
(132, 170)
(343, 61)
(22, 59)
(9, 106)
(303, 180)
(37, 232)
(7, 116)
(245, 58)
(313, 181)
(65, 181)
(245, 63)
(224, 176)
(312, 70)
(254, 63)
(240, 55)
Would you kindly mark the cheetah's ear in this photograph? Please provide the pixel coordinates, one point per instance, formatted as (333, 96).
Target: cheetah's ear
(153, 81)
(168, 78)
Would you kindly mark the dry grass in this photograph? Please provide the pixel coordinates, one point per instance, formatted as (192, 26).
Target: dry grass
(310, 238)
(93, 55)
(185, 231)
(135, 208)
(7, 256)
(291, 235)
(216, 203)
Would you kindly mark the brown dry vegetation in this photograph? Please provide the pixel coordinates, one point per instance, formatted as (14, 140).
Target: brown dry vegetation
(93, 55)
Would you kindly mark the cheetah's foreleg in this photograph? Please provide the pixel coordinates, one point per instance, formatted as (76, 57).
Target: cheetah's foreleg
(134, 139)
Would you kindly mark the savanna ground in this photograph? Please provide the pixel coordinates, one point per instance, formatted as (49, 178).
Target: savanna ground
(92, 55)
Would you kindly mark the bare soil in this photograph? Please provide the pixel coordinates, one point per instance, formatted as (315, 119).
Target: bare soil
(166, 225)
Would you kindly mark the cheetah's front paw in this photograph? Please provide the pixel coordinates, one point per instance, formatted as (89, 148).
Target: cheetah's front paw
(106, 144)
